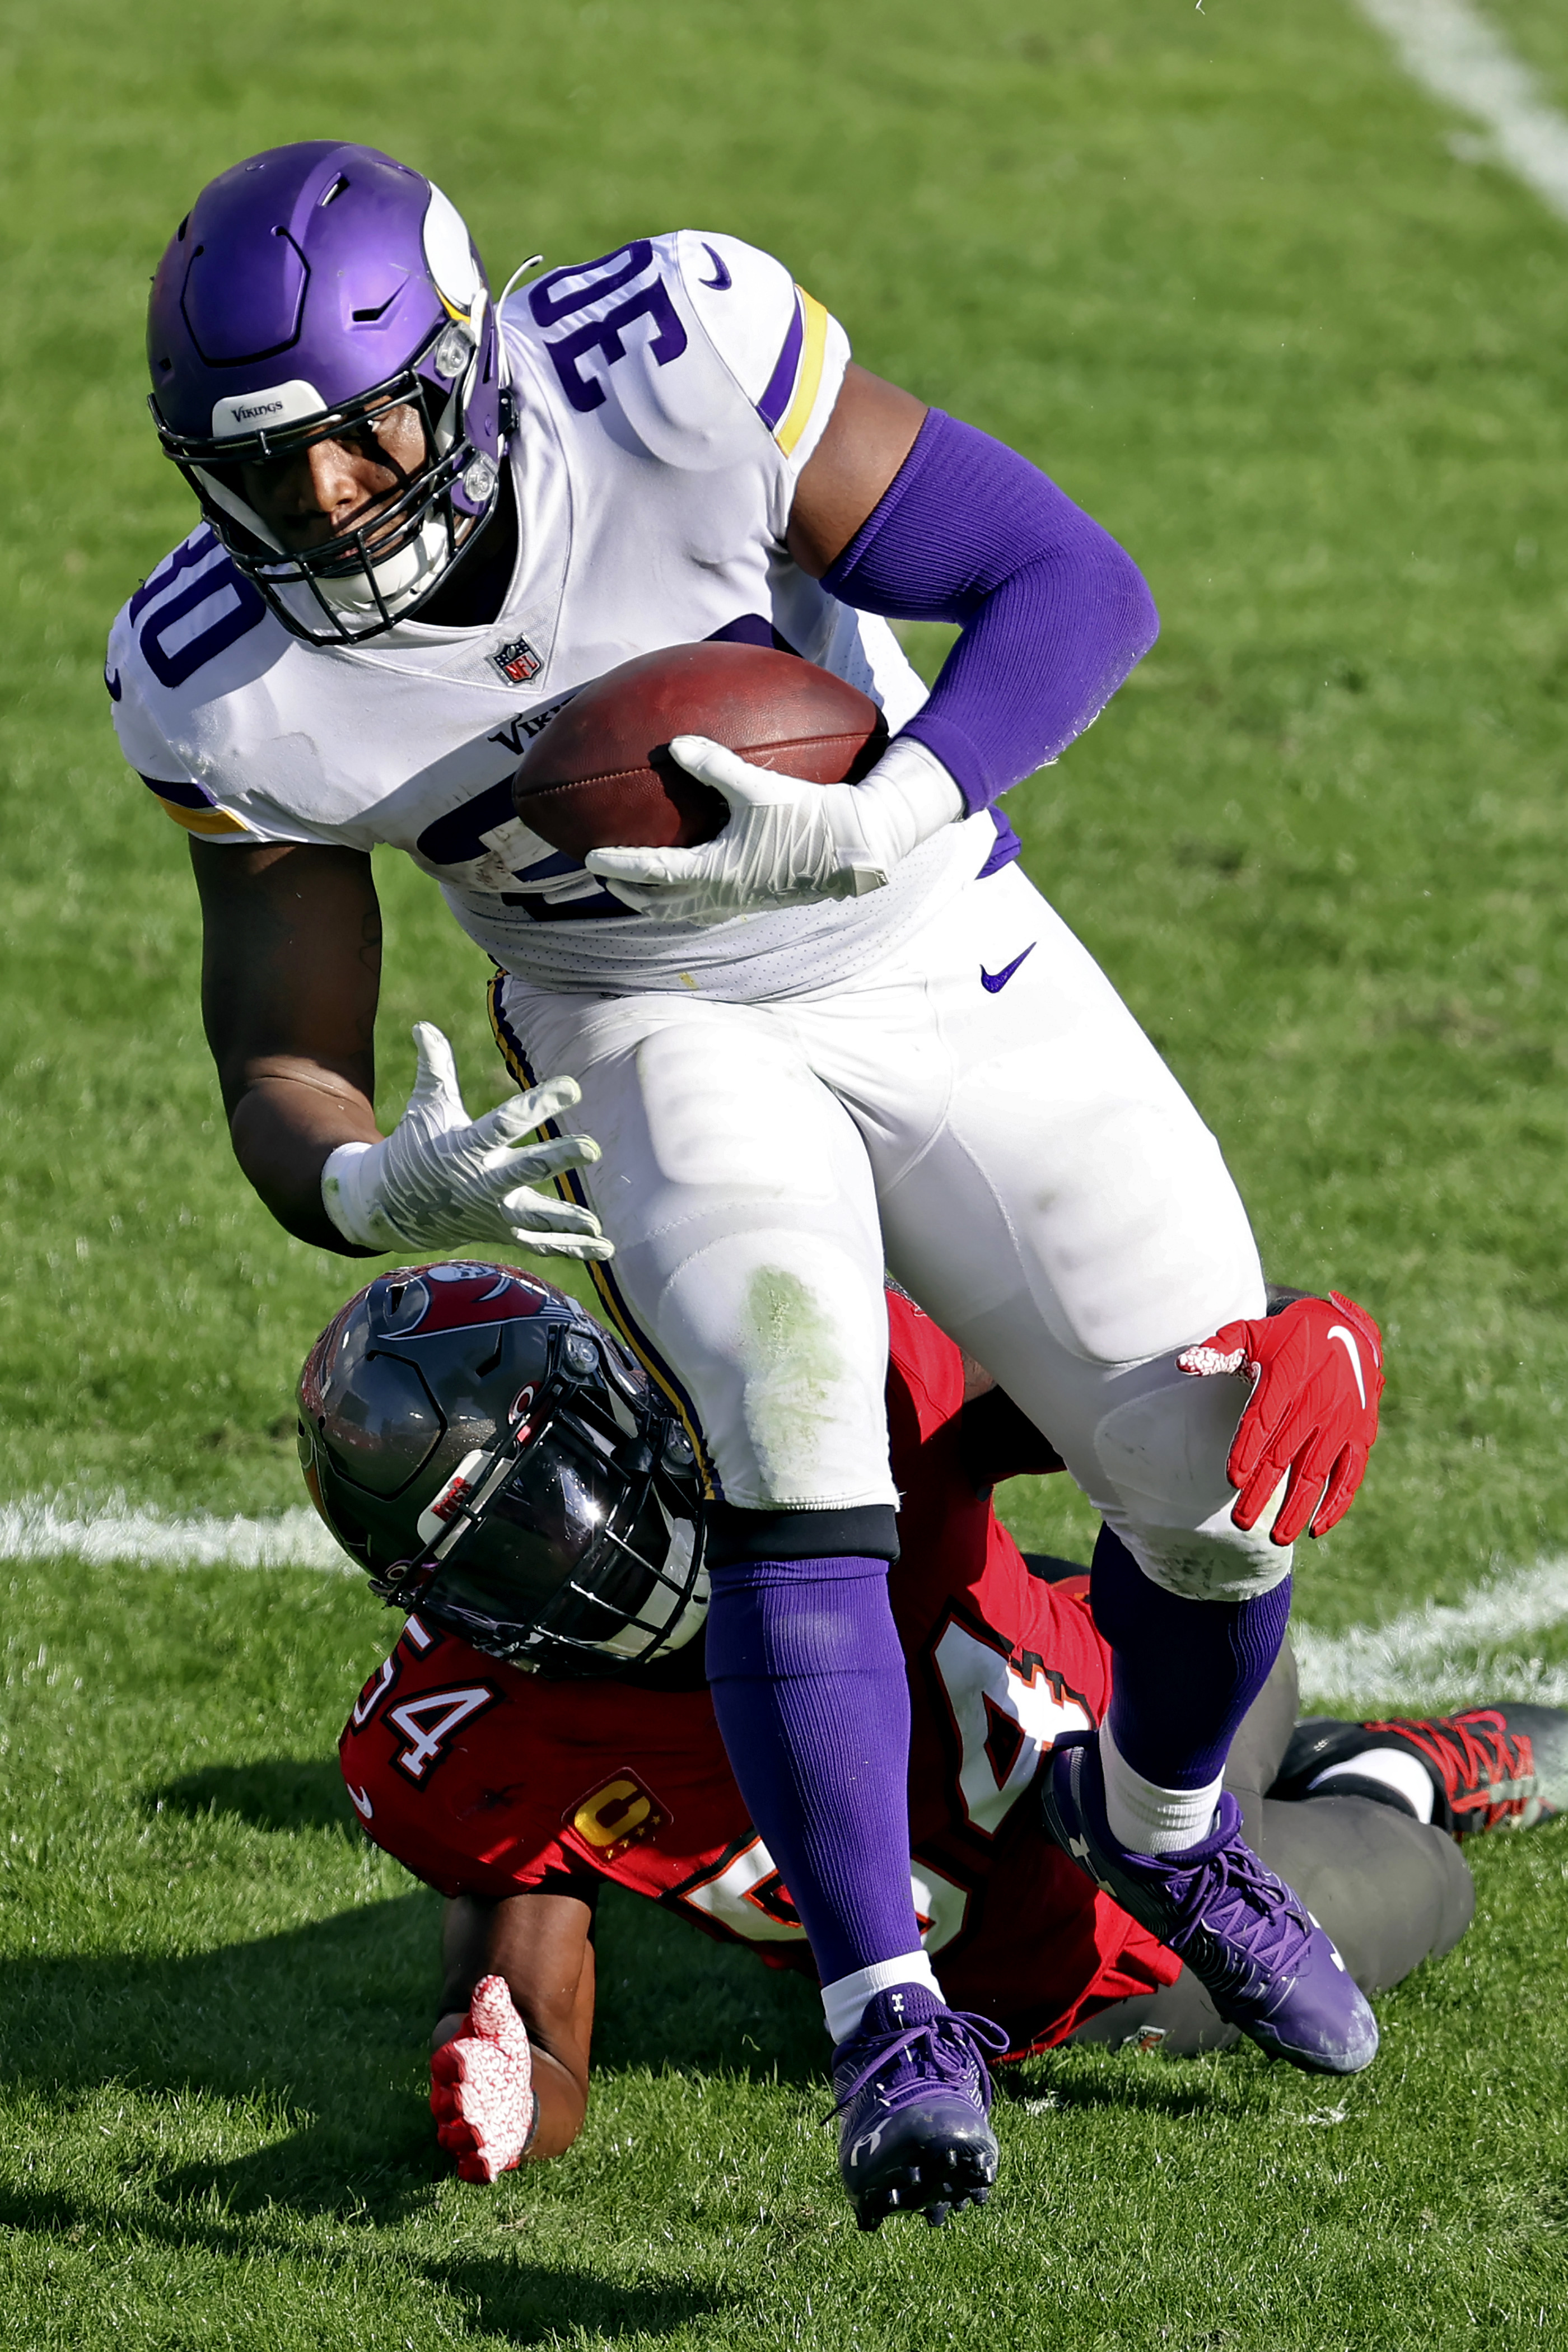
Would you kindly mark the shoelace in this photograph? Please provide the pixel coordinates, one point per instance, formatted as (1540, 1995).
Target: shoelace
(1237, 1882)
(953, 2056)
(1474, 1757)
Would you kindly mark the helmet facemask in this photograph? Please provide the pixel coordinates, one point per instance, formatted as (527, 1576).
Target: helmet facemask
(307, 291)
(570, 1542)
(364, 580)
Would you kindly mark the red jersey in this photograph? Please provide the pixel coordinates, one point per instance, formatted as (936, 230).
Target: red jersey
(485, 1781)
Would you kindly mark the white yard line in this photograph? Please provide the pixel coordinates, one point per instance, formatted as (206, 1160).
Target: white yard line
(1481, 1648)
(1450, 48)
(1440, 1656)
(1435, 1656)
(35, 1529)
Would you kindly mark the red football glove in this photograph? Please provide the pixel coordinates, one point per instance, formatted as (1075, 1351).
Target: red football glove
(1317, 1375)
(481, 2087)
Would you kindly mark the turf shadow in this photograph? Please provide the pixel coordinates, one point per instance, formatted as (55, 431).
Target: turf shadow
(507, 2296)
(669, 1996)
(1127, 2082)
(272, 1793)
(327, 2022)
(531, 2303)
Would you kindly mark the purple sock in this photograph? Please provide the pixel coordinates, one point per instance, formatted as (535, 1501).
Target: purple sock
(1184, 1673)
(809, 1689)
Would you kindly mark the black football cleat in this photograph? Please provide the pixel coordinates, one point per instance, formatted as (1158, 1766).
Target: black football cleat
(914, 2095)
(1491, 1767)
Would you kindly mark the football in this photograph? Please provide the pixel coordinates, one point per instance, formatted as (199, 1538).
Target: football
(601, 776)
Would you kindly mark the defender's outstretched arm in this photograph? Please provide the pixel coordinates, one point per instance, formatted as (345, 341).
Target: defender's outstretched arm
(538, 1944)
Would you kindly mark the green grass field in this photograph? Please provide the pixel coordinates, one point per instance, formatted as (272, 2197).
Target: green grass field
(1220, 271)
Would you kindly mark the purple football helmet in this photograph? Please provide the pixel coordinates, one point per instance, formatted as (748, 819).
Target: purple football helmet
(500, 1462)
(308, 288)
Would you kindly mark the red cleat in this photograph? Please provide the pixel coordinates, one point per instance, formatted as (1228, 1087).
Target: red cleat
(1493, 1768)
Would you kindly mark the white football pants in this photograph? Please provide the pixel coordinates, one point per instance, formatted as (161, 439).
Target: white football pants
(979, 1111)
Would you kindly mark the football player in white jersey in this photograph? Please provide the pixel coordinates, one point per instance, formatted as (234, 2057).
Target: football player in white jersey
(847, 1031)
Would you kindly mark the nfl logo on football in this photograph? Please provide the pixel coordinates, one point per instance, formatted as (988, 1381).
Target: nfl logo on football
(517, 662)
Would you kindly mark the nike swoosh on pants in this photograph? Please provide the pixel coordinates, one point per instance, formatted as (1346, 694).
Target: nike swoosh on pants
(993, 980)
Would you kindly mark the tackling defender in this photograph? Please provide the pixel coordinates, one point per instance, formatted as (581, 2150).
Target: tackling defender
(520, 1796)
(846, 1029)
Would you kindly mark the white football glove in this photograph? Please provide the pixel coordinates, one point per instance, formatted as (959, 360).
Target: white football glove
(786, 841)
(444, 1180)
(481, 2087)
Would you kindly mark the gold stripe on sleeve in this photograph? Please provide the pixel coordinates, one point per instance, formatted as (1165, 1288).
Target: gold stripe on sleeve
(809, 381)
(204, 819)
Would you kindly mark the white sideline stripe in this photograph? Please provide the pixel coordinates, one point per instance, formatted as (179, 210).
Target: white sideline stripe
(1443, 1656)
(1451, 49)
(34, 1529)
(1432, 1656)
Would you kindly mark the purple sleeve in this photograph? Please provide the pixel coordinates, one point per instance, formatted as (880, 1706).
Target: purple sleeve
(1054, 613)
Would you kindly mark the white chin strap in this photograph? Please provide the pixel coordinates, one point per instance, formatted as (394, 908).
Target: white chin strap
(654, 1614)
(401, 578)
(404, 577)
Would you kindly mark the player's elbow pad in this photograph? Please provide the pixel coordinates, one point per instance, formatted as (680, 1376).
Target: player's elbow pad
(1054, 612)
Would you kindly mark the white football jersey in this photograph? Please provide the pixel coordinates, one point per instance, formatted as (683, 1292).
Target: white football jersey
(667, 397)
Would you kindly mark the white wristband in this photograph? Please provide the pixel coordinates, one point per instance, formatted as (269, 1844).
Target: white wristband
(341, 1196)
(910, 771)
(908, 796)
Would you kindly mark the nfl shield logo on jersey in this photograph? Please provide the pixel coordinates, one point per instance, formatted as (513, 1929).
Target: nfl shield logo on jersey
(517, 662)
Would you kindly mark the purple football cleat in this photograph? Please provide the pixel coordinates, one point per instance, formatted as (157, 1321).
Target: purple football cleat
(914, 2095)
(1265, 1963)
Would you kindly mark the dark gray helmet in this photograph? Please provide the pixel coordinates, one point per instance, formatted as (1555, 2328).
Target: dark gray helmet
(496, 1460)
